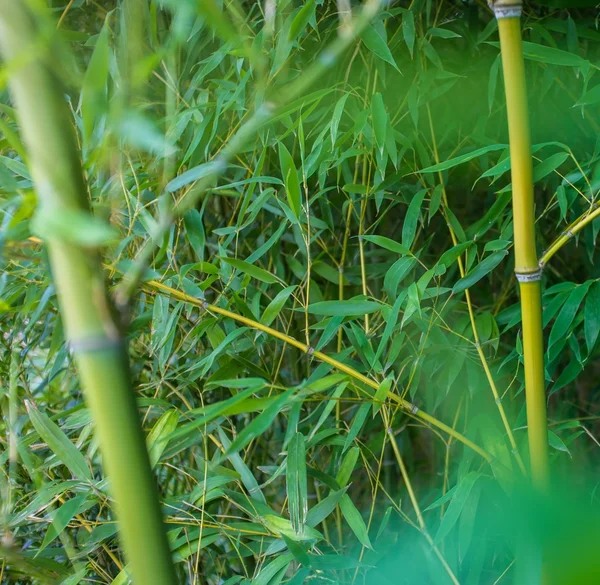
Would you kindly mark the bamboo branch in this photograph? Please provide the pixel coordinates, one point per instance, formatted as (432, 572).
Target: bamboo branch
(408, 407)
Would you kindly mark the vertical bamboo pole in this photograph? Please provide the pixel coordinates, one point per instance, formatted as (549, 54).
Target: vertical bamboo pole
(527, 269)
(92, 330)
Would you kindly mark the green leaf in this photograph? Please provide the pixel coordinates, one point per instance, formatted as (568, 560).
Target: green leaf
(408, 30)
(450, 256)
(343, 308)
(591, 316)
(355, 521)
(443, 33)
(63, 515)
(493, 81)
(388, 244)
(253, 271)
(459, 160)
(194, 174)
(261, 423)
(347, 467)
(276, 305)
(65, 451)
(380, 120)
(325, 507)
(459, 498)
(158, 437)
(590, 97)
(77, 227)
(561, 326)
(270, 571)
(93, 89)
(377, 45)
(296, 483)
(357, 424)
(480, 271)
(337, 116)
(290, 178)
(409, 228)
(382, 394)
(552, 56)
(142, 133)
(556, 442)
(549, 165)
(301, 19)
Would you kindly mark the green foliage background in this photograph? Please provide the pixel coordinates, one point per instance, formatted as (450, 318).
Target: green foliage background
(332, 223)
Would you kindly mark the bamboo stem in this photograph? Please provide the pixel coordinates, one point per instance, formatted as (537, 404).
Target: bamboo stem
(411, 409)
(526, 262)
(90, 323)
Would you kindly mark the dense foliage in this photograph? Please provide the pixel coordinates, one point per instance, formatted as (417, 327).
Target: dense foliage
(288, 210)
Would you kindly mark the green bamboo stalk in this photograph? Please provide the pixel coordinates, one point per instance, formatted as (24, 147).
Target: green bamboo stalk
(527, 269)
(91, 326)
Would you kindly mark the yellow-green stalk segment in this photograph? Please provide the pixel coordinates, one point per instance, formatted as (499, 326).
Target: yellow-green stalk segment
(91, 328)
(527, 269)
(153, 286)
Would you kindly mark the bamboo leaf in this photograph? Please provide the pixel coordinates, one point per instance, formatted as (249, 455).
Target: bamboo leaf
(260, 424)
(355, 521)
(253, 271)
(408, 30)
(377, 45)
(337, 116)
(483, 268)
(549, 165)
(388, 244)
(158, 437)
(93, 89)
(561, 326)
(380, 120)
(276, 305)
(290, 178)
(382, 394)
(459, 499)
(357, 424)
(459, 160)
(344, 308)
(194, 174)
(347, 467)
(296, 483)
(592, 316)
(409, 228)
(301, 19)
(66, 452)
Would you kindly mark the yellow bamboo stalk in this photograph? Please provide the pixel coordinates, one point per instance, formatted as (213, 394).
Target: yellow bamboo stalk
(157, 286)
(527, 269)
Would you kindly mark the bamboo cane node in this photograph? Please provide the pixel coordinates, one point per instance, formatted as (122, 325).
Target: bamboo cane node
(506, 8)
(310, 350)
(498, 401)
(413, 409)
(529, 276)
(93, 344)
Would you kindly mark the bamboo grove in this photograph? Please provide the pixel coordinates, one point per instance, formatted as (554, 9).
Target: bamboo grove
(268, 313)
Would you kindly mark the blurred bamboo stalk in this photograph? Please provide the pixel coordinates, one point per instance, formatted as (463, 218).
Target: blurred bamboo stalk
(91, 326)
(527, 268)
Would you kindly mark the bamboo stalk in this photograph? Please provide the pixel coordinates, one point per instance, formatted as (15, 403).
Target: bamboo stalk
(408, 407)
(90, 324)
(527, 268)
